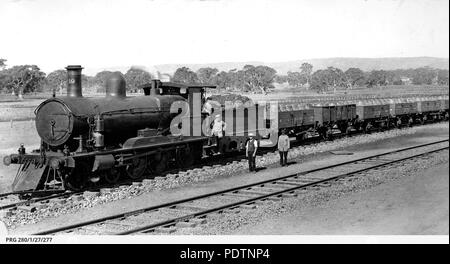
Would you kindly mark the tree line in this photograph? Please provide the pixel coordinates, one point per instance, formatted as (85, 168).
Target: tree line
(331, 77)
(262, 78)
(249, 78)
(21, 79)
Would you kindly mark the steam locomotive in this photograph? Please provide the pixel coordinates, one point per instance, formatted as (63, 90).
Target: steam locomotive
(87, 140)
(91, 139)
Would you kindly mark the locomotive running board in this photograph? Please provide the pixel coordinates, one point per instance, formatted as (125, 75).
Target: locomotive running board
(28, 176)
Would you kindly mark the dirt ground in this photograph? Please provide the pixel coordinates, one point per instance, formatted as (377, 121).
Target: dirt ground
(416, 205)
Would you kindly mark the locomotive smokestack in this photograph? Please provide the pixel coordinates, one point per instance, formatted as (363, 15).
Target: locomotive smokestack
(74, 80)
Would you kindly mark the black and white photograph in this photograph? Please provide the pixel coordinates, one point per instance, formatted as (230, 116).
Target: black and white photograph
(224, 121)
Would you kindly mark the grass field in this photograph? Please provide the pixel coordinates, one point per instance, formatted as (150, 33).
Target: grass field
(18, 111)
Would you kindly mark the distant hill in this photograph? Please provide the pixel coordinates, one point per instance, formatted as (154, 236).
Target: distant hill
(365, 64)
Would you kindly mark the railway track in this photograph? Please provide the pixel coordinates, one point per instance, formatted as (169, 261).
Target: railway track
(10, 200)
(193, 211)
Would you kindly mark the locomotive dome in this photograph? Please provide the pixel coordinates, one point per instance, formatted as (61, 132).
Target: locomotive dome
(115, 85)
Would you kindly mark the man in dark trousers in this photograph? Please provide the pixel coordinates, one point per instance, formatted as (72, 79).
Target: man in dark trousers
(250, 151)
(283, 147)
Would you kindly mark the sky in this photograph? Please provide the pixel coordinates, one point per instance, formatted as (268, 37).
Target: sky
(108, 33)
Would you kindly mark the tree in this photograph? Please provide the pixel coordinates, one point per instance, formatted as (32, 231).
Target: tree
(280, 79)
(56, 80)
(377, 78)
(306, 71)
(135, 77)
(322, 80)
(185, 75)
(424, 75)
(236, 80)
(222, 80)
(259, 78)
(2, 63)
(4, 79)
(355, 76)
(338, 78)
(295, 79)
(207, 75)
(23, 79)
(442, 77)
(89, 83)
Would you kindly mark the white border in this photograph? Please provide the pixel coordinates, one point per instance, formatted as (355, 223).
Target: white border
(271, 239)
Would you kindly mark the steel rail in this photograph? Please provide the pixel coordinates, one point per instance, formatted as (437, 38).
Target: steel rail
(29, 192)
(170, 204)
(35, 200)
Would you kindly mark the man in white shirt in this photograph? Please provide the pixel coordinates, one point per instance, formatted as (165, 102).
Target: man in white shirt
(250, 151)
(218, 131)
(283, 147)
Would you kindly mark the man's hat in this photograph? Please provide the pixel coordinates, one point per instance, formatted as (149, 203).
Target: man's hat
(217, 116)
(251, 134)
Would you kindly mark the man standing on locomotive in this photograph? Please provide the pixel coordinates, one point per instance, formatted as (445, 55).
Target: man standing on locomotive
(283, 147)
(218, 131)
(250, 151)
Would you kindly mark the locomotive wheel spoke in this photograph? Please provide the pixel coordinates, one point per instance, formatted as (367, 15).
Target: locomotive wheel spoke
(112, 176)
(159, 165)
(137, 168)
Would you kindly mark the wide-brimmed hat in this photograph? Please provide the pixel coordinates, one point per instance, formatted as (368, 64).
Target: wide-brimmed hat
(251, 134)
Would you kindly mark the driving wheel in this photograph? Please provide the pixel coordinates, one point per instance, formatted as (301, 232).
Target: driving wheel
(158, 163)
(137, 168)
